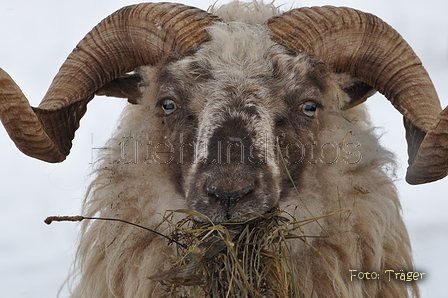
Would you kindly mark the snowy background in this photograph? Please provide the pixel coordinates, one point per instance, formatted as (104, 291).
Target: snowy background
(35, 39)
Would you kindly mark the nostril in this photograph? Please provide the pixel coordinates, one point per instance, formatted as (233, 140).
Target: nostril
(228, 200)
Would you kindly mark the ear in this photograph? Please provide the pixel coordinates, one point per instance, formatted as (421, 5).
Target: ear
(126, 86)
(357, 90)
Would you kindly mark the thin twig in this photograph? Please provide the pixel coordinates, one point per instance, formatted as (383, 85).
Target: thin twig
(50, 219)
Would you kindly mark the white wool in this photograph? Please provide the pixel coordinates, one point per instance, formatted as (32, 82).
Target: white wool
(248, 12)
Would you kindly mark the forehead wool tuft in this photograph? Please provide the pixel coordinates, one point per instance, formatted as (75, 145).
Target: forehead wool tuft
(239, 46)
(251, 12)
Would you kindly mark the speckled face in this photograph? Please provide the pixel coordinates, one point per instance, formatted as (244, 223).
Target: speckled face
(225, 112)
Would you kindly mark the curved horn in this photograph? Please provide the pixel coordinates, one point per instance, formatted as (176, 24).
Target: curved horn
(136, 35)
(361, 44)
(431, 160)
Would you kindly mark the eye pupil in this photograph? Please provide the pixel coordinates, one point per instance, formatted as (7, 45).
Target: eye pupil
(168, 106)
(309, 108)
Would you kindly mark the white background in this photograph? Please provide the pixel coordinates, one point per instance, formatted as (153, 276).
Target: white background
(35, 39)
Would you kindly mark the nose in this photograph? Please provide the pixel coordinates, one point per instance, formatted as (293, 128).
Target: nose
(228, 200)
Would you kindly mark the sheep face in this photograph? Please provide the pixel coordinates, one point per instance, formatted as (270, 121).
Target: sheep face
(224, 113)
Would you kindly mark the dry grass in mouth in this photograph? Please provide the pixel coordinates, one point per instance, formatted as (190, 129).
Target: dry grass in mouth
(235, 259)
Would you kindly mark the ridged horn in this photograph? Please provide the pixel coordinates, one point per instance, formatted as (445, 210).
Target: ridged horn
(364, 46)
(136, 35)
(431, 160)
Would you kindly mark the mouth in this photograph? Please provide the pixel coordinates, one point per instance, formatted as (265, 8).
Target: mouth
(228, 217)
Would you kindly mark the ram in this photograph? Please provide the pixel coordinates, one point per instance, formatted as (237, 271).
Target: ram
(238, 113)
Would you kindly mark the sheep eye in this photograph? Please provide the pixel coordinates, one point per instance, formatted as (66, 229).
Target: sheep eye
(168, 106)
(309, 108)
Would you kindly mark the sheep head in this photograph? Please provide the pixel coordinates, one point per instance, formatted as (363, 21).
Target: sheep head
(244, 102)
(220, 113)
